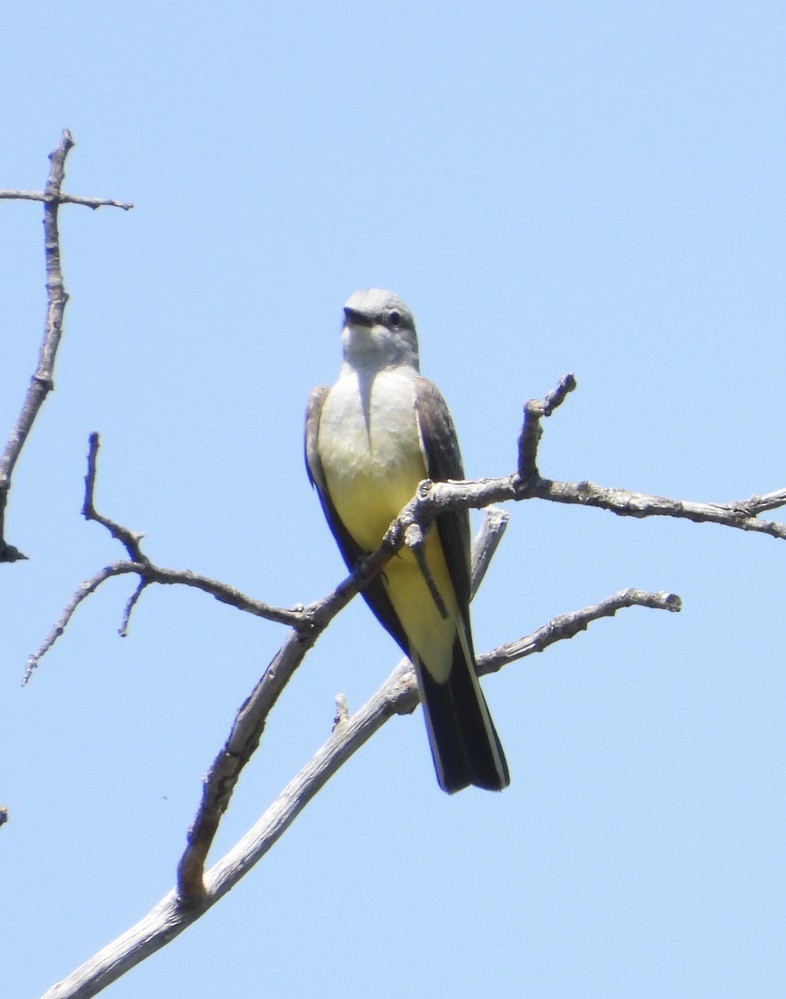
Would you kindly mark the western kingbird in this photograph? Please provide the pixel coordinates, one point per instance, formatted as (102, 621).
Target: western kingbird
(370, 439)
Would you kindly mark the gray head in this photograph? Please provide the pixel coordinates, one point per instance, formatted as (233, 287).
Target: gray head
(379, 331)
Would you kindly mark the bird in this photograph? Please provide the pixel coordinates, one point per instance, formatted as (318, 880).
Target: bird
(369, 441)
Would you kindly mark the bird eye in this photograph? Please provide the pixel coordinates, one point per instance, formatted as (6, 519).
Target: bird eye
(394, 318)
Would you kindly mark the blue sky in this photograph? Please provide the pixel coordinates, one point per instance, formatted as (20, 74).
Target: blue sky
(552, 187)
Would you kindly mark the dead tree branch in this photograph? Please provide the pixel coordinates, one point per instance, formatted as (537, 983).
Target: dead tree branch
(221, 778)
(131, 540)
(149, 573)
(42, 381)
(65, 199)
(531, 429)
(398, 695)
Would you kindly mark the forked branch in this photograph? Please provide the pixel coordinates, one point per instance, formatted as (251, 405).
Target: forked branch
(42, 381)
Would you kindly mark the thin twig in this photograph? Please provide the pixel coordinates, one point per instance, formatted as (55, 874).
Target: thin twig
(65, 199)
(531, 430)
(130, 605)
(130, 540)
(301, 618)
(492, 529)
(81, 593)
(568, 625)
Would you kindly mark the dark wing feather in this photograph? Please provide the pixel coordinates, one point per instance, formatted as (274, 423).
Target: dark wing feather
(374, 593)
(464, 742)
(443, 462)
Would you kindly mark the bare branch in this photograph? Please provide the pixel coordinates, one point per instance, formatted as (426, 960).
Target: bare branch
(492, 529)
(568, 625)
(398, 695)
(527, 483)
(629, 504)
(249, 724)
(531, 430)
(82, 592)
(299, 618)
(65, 199)
(42, 381)
(130, 605)
(479, 493)
(130, 540)
(220, 780)
(308, 624)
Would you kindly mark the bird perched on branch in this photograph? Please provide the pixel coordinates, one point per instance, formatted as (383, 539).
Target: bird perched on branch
(370, 439)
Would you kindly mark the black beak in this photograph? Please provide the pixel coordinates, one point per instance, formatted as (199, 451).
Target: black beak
(354, 318)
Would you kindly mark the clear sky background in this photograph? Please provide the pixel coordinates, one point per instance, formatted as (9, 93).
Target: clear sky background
(552, 187)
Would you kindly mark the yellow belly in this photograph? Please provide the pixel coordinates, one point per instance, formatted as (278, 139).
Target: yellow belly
(372, 461)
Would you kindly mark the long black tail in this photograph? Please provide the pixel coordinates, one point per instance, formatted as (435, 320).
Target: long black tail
(464, 743)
